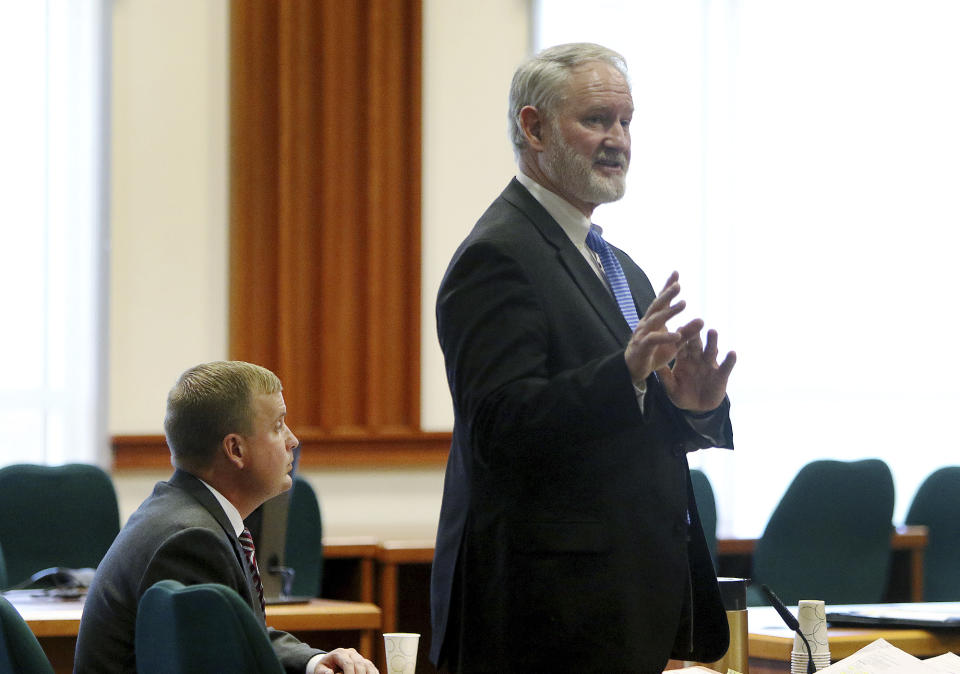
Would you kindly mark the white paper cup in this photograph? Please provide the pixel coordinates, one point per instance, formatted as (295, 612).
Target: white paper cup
(401, 652)
(798, 661)
(812, 616)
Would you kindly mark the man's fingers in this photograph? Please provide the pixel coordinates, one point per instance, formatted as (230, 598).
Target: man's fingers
(657, 316)
(691, 331)
(710, 351)
(657, 339)
(663, 300)
(726, 367)
(673, 278)
(348, 661)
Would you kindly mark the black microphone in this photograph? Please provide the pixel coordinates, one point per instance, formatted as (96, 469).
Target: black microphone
(791, 622)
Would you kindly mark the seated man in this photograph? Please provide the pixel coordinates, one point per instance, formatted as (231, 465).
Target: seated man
(232, 451)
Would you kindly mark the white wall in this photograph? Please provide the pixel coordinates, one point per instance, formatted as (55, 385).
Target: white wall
(168, 287)
(470, 52)
(393, 503)
(169, 219)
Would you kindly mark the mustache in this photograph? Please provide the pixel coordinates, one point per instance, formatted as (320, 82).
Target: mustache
(612, 156)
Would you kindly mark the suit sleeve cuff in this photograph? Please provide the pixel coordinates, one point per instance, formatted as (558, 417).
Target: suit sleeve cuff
(710, 425)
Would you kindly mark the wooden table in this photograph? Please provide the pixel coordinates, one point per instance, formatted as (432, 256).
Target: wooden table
(56, 622)
(328, 615)
(362, 550)
(770, 642)
(911, 540)
(390, 555)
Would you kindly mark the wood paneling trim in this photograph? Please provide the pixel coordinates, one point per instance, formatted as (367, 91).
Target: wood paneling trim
(318, 450)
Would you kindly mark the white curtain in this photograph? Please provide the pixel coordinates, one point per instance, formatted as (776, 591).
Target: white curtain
(798, 162)
(53, 236)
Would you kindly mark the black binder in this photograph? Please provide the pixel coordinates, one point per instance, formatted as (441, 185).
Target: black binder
(929, 615)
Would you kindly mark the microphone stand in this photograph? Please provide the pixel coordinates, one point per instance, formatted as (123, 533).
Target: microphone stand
(792, 623)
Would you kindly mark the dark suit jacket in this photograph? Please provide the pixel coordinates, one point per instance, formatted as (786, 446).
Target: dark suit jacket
(563, 534)
(179, 532)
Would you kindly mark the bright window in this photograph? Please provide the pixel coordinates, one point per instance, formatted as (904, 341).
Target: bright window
(53, 243)
(799, 164)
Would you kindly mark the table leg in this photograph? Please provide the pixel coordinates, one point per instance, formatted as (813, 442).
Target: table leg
(388, 605)
(366, 580)
(916, 574)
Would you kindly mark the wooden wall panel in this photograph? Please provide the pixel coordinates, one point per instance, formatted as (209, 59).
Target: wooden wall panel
(325, 210)
(253, 174)
(318, 451)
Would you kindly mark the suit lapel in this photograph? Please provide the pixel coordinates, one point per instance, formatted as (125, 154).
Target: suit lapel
(199, 491)
(572, 260)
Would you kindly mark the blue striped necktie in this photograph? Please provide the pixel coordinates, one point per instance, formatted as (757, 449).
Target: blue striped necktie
(614, 273)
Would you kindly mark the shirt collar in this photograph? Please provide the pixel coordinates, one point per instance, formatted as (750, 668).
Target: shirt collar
(232, 513)
(574, 223)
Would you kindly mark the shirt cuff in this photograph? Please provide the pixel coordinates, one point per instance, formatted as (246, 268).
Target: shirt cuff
(640, 391)
(313, 662)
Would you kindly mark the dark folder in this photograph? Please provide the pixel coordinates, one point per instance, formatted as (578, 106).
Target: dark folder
(929, 615)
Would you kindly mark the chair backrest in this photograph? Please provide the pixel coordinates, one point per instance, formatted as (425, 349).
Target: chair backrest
(191, 629)
(829, 537)
(19, 649)
(304, 545)
(55, 516)
(936, 505)
(3, 570)
(707, 507)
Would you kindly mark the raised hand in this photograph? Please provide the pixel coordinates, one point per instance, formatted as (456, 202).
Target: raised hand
(696, 382)
(652, 346)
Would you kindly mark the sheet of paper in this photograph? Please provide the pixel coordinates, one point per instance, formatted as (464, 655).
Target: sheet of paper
(948, 663)
(879, 657)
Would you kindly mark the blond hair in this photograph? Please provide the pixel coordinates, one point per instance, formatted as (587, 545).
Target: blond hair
(210, 401)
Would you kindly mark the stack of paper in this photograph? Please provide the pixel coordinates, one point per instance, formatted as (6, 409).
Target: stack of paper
(881, 656)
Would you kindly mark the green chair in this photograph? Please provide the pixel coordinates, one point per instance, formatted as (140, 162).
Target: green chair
(3, 570)
(196, 629)
(707, 507)
(829, 537)
(19, 649)
(304, 544)
(936, 505)
(55, 516)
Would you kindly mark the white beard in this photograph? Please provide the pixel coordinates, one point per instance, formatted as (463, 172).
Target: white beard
(574, 172)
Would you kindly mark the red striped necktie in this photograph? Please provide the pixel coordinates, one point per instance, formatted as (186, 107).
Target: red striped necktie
(246, 542)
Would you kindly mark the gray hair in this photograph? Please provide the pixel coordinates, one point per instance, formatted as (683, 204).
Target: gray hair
(540, 81)
(207, 403)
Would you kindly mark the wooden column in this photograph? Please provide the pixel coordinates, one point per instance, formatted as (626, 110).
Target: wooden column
(325, 212)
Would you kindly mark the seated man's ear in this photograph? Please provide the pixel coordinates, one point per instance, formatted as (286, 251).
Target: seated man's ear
(532, 123)
(233, 449)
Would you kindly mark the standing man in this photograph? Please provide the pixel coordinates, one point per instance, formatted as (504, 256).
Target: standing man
(232, 451)
(569, 537)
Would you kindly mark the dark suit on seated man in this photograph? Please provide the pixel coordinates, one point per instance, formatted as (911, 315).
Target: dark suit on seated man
(232, 451)
(569, 537)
